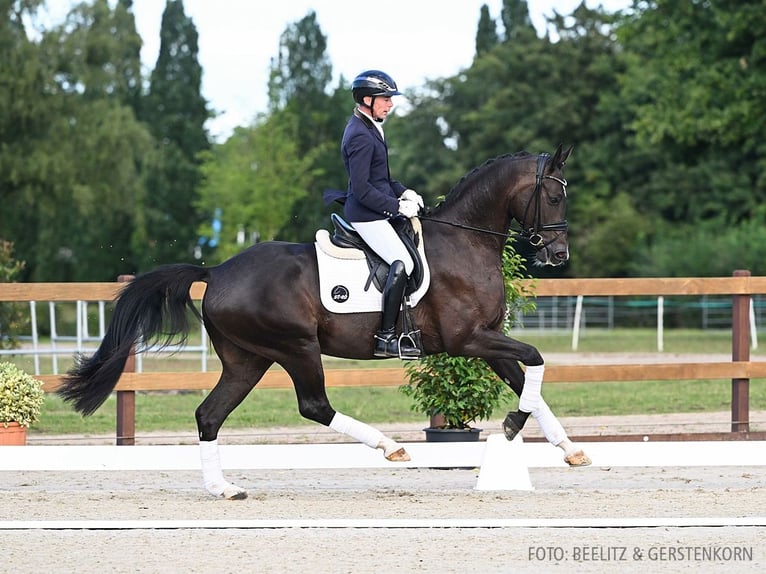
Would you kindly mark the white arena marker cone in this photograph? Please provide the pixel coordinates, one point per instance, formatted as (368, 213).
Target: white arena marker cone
(504, 466)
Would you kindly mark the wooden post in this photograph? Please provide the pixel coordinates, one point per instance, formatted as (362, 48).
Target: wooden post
(740, 351)
(126, 400)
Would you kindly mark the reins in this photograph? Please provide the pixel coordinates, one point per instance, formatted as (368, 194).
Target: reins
(531, 234)
(469, 227)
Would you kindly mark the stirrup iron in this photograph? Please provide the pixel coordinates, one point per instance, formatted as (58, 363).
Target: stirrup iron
(410, 340)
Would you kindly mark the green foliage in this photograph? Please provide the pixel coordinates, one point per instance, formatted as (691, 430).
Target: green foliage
(459, 388)
(254, 178)
(21, 396)
(299, 87)
(665, 106)
(302, 70)
(615, 234)
(466, 389)
(12, 317)
(486, 33)
(710, 249)
(176, 112)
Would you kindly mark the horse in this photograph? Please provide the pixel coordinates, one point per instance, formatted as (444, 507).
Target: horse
(262, 307)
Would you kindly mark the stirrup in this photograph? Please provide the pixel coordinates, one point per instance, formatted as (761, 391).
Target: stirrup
(408, 346)
(387, 345)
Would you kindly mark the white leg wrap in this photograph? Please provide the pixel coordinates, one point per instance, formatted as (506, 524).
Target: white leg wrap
(549, 424)
(212, 475)
(364, 433)
(533, 382)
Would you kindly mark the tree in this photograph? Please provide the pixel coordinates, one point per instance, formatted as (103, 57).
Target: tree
(74, 184)
(516, 21)
(302, 68)
(253, 180)
(99, 52)
(299, 86)
(486, 34)
(176, 112)
(12, 315)
(27, 106)
(692, 100)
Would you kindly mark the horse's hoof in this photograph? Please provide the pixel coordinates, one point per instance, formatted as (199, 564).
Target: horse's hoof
(578, 458)
(513, 423)
(399, 455)
(234, 493)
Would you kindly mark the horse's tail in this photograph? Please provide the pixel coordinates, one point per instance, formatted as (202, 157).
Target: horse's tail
(151, 308)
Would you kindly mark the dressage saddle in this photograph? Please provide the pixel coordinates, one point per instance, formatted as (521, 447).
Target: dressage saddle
(344, 235)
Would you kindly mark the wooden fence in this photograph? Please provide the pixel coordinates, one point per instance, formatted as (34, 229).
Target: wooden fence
(741, 286)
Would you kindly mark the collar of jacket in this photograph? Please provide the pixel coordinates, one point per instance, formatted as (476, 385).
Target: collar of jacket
(378, 127)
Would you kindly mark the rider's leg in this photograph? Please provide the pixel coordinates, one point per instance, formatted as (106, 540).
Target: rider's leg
(382, 238)
(384, 241)
(386, 341)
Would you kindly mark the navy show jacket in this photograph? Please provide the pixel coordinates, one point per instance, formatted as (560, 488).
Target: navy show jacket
(372, 194)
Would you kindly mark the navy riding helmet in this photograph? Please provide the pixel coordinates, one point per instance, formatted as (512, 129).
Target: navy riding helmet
(373, 83)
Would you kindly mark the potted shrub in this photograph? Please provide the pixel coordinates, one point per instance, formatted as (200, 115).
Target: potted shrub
(21, 399)
(456, 392)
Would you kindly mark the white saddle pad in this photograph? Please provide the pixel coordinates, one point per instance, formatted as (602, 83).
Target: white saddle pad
(343, 273)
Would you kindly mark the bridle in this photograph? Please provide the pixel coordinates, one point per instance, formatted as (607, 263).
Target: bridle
(532, 233)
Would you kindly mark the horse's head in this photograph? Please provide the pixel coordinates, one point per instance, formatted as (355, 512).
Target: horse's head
(544, 222)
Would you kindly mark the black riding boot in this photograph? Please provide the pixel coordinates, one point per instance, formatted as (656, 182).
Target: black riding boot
(386, 342)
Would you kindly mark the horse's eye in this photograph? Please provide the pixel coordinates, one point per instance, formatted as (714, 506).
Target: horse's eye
(555, 199)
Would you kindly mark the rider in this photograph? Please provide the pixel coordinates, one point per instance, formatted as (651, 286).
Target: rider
(373, 198)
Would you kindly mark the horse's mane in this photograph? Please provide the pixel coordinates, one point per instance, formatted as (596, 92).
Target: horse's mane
(468, 179)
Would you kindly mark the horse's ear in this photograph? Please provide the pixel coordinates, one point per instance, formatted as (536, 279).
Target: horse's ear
(561, 155)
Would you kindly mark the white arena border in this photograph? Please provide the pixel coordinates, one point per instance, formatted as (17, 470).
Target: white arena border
(391, 523)
(337, 456)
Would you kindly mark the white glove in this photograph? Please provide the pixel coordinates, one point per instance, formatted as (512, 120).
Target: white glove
(411, 195)
(408, 208)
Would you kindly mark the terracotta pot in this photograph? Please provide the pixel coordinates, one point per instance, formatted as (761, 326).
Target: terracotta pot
(14, 435)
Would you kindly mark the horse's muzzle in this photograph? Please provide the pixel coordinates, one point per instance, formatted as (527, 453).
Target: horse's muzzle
(554, 254)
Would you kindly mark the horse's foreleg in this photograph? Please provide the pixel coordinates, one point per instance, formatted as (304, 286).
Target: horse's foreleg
(512, 374)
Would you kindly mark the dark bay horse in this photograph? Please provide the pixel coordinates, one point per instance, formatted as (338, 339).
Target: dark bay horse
(262, 307)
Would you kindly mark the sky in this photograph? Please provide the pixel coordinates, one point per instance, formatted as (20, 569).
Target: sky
(411, 40)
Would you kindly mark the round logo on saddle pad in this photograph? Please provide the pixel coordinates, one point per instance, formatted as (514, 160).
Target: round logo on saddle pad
(339, 294)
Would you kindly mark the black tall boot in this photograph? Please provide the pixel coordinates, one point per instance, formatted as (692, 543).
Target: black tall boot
(386, 342)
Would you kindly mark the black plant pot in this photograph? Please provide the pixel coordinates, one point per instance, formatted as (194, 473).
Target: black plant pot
(452, 435)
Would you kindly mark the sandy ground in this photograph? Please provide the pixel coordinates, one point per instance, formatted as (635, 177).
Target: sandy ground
(384, 494)
(591, 492)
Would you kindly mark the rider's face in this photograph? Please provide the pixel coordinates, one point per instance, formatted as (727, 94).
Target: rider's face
(381, 105)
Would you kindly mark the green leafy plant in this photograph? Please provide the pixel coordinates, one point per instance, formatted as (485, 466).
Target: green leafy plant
(12, 319)
(21, 396)
(466, 389)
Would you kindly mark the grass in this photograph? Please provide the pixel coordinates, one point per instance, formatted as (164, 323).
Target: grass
(278, 407)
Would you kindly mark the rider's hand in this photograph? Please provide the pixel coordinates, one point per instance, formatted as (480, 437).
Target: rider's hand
(408, 208)
(412, 195)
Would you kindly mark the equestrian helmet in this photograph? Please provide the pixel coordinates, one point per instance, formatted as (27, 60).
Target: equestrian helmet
(373, 83)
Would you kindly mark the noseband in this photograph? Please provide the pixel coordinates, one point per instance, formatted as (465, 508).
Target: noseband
(532, 233)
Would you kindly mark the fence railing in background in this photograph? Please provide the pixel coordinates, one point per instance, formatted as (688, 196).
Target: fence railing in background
(741, 287)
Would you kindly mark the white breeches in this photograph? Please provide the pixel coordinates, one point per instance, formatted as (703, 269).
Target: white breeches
(385, 242)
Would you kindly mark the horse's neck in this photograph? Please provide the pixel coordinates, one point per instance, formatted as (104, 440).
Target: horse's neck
(484, 203)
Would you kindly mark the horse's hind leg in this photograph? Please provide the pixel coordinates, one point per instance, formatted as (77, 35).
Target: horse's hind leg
(308, 377)
(512, 374)
(237, 380)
